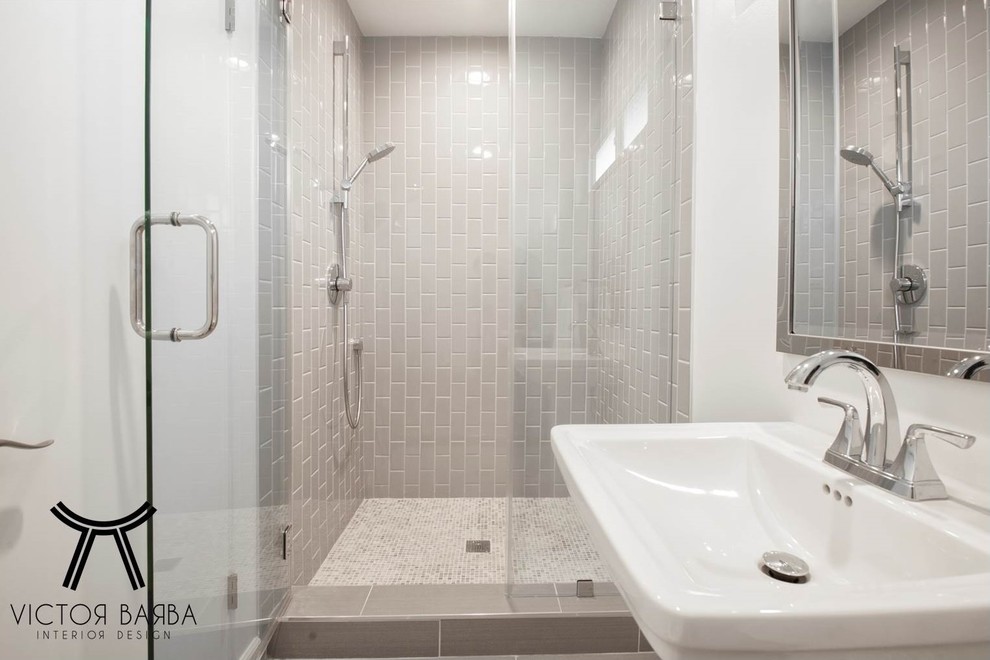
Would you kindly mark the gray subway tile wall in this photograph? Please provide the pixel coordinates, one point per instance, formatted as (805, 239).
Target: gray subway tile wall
(447, 386)
(683, 192)
(641, 207)
(458, 365)
(816, 226)
(601, 295)
(558, 90)
(436, 222)
(326, 475)
(437, 278)
(947, 228)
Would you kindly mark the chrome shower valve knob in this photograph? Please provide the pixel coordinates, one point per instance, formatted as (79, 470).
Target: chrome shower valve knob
(336, 284)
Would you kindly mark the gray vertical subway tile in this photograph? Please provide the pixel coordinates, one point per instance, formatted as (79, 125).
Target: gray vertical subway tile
(816, 235)
(594, 259)
(642, 222)
(438, 211)
(327, 476)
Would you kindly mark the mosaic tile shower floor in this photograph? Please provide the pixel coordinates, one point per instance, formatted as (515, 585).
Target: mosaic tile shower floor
(422, 541)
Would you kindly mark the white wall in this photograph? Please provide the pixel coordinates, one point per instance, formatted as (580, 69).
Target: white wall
(70, 366)
(738, 375)
(736, 371)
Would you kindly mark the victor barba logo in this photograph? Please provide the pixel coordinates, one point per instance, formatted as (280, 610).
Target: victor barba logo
(88, 531)
(75, 621)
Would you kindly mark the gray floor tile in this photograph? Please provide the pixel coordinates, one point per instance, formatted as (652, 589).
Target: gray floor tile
(326, 601)
(524, 636)
(392, 600)
(356, 639)
(596, 604)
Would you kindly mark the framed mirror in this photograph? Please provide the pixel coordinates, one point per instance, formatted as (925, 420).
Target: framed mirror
(884, 210)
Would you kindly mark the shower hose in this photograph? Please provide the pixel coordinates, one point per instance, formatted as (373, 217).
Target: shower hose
(351, 345)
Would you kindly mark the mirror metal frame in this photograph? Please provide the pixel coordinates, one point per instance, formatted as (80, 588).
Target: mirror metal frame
(921, 359)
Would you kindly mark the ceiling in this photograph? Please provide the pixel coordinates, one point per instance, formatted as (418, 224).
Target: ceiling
(853, 11)
(457, 18)
(552, 18)
(814, 17)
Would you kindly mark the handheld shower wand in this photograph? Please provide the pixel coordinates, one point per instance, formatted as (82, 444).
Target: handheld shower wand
(375, 154)
(861, 156)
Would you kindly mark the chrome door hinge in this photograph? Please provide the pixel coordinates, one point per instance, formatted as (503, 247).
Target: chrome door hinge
(232, 591)
(667, 10)
(585, 589)
(286, 539)
(229, 15)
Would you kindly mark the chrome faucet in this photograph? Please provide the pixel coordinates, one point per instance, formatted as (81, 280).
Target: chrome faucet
(881, 411)
(967, 368)
(911, 474)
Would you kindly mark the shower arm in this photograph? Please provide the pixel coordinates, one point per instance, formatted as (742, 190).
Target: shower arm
(895, 189)
(348, 183)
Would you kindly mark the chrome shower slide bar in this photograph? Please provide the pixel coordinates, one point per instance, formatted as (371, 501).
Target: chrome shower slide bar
(175, 219)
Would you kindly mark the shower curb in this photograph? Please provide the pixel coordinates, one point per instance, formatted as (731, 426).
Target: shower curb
(448, 621)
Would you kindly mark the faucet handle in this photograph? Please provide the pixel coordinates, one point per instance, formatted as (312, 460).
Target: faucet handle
(913, 463)
(849, 408)
(849, 441)
(922, 431)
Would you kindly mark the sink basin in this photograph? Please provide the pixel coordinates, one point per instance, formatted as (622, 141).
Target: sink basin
(682, 514)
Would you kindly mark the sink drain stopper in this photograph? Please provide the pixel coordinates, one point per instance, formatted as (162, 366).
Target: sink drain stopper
(785, 567)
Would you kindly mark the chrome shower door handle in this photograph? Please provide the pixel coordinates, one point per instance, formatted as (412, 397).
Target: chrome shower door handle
(175, 219)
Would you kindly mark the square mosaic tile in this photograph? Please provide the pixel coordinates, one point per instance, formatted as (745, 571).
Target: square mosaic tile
(423, 541)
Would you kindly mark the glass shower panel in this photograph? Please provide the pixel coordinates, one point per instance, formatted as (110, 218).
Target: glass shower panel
(216, 171)
(595, 226)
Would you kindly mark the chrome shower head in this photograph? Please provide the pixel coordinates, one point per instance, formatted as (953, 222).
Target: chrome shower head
(857, 155)
(377, 153)
(380, 152)
(862, 156)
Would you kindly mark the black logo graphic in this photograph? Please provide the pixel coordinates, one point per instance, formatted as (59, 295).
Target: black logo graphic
(90, 529)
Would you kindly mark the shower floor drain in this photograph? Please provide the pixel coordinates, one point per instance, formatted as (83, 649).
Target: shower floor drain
(479, 546)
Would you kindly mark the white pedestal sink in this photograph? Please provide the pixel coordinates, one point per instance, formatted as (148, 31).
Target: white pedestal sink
(682, 514)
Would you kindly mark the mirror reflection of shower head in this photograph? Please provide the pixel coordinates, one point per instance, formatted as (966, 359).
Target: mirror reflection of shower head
(379, 152)
(861, 156)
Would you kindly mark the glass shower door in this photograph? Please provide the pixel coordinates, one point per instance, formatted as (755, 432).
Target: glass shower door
(595, 222)
(214, 283)
(166, 112)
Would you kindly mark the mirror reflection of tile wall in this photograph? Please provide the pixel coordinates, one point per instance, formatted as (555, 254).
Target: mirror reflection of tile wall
(946, 231)
(816, 229)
